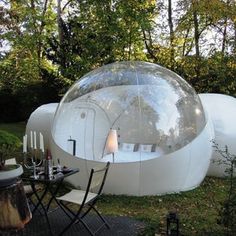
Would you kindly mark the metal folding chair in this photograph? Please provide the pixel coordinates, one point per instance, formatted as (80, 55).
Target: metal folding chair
(86, 200)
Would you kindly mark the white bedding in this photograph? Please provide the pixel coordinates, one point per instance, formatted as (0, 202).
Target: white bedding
(123, 156)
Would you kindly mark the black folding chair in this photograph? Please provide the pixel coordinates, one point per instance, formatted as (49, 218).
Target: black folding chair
(86, 200)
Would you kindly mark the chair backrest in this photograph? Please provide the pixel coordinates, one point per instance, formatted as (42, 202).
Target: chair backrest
(97, 180)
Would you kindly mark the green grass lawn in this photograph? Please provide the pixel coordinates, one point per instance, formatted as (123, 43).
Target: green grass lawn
(198, 209)
(17, 129)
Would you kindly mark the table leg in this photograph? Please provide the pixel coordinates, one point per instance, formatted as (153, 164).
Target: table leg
(53, 194)
(40, 203)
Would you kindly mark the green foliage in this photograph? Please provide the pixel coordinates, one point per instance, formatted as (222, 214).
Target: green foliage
(9, 143)
(27, 78)
(17, 129)
(24, 88)
(227, 213)
(217, 74)
(9, 139)
(220, 74)
(98, 34)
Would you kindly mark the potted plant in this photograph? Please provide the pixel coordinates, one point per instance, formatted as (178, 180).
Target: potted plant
(15, 211)
(8, 147)
(2, 159)
(4, 153)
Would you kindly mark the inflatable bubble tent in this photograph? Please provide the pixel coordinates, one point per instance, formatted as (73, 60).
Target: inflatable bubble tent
(223, 119)
(134, 110)
(143, 118)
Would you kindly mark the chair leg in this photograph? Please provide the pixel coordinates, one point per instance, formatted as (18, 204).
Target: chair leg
(74, 219)
(65, 209)
(78, 219)
(101, 217)
(31, 202)
(86, 226)
(68, 226)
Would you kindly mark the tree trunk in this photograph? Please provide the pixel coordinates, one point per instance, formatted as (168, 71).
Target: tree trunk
(184, 44)
(196, 39)
(130, 44)
(148, 45)
(42, 24)
(171, 28)
(60, 34)
(234, 49)
(59, 27)
(224, 36)
(196, 33)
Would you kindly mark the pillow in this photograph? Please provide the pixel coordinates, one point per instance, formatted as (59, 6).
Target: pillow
(145, 147)
(159, 150)
(136, 147)
(127, 147)
(154, 147)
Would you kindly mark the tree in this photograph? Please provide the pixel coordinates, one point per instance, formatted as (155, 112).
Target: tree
(97, 34)
(24, 70)
(172, 36)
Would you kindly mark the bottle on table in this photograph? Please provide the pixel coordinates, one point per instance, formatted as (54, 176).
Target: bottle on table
(48, 165)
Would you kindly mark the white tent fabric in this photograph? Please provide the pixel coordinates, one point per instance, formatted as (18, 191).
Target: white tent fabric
(41, 121)
(175, 172)
(222, 111)
(179, 171)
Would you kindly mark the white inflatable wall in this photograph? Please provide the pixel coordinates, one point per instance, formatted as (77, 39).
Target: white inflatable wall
(41, 121)
(222, 111)
(178, 171)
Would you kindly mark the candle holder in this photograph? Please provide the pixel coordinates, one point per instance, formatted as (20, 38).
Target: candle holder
(36, 160)
(32, 153)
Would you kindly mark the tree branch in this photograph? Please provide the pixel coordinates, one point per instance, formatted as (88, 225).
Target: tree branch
(63, 8)
(147, 46)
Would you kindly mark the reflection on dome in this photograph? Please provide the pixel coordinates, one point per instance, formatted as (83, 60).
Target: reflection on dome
(153, 111)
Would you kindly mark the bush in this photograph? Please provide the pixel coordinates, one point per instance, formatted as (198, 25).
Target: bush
(227, 214)
(9, 144)
(25, 88)
(9, 139)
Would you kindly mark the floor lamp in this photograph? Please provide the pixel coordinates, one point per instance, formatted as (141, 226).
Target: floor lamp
(112, 143)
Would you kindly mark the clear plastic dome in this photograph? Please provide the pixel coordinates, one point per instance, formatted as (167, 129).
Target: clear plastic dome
(128, 112)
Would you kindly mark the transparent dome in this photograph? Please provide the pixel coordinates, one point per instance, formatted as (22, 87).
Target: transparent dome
(127, 112)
